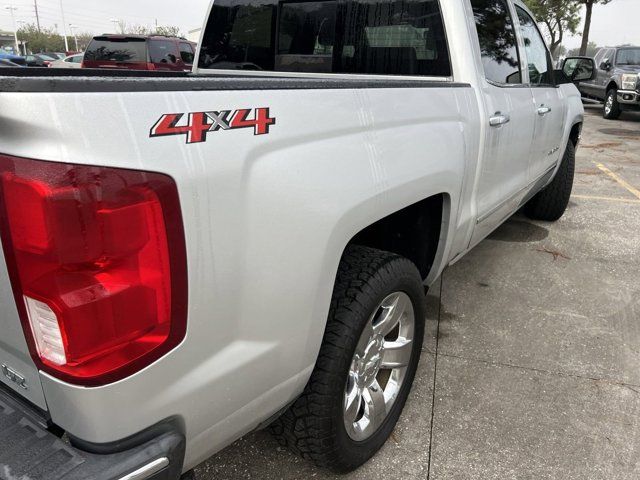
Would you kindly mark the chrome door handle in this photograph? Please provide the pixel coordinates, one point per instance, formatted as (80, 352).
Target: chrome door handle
(499, 119)
(542, 111)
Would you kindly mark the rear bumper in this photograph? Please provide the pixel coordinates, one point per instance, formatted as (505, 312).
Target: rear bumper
(629, 99)
(29, 450)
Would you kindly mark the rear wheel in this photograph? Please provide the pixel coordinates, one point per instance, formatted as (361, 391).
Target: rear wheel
(366, 364)
(611, 106)
(551, 203)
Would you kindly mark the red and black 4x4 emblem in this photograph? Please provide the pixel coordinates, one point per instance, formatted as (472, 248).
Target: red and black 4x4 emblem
(199, 124)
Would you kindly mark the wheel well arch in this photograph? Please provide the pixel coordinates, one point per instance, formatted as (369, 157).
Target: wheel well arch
(575, 133)
(612, 85)
(413, 232)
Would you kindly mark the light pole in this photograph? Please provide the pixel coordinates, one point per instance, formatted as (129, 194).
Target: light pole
(64, 28)
(12, 10)
(75, 37)
(22, 23)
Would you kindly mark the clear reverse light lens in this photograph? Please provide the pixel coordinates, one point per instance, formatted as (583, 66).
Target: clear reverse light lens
(46, 331)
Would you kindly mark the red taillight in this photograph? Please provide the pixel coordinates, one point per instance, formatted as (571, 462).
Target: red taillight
(98, 266)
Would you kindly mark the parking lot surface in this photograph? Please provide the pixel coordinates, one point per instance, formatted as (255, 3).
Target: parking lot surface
(531, 363)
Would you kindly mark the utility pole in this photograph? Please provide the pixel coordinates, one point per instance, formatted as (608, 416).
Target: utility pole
(64, 28)
(115, 22)
(12, 10)
(35, 5)
(73, 32)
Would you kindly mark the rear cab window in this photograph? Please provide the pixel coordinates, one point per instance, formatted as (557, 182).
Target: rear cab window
(187, 53)
(103, 49)
(392, 37)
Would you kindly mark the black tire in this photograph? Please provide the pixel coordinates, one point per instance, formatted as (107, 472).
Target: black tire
(550, 204)
(314, 427)
(613, 112)
(190, 475)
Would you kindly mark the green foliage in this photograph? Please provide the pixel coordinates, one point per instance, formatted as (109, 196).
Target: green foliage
(45, 40)
(559, 17)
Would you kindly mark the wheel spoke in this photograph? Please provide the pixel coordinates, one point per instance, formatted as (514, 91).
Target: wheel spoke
(353, 401)
(397, 354)
(376, 405)
(393, 312)
(365, 339)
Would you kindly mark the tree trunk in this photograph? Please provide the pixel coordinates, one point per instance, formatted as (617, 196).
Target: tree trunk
(587, 28)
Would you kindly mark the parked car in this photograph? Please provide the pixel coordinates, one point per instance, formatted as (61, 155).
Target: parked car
(55, 55)
(39, 60)
(137, 52)
(8, 63)
(74, 61)
(617, 82)
(191, 257)
(13, 58)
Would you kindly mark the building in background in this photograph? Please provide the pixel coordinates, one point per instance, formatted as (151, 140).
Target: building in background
(7, 44)
(194, 35)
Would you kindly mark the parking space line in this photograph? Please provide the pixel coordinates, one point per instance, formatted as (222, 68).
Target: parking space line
(619, 180)
(606, 199)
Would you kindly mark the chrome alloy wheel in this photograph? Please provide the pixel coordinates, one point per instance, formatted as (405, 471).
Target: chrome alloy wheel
(608, 107)
(379, 366)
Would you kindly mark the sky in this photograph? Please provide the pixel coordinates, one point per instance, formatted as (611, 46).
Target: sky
(613, 24)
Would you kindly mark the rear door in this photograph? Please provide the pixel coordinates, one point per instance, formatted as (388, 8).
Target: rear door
(548, 99)
(509, 116)
(17, 369)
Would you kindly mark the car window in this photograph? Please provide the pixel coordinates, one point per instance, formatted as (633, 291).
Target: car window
(162, 51)
(628, 56)
(599, 56)
(76, 59)
(117, 50)
(538, 56)
(498, 43)
(391, 37)
(186, 53)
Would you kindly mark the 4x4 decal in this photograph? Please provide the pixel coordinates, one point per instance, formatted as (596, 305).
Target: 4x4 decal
(199, 124)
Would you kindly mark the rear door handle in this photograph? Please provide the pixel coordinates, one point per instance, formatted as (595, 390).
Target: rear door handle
(542, 111)
(499, 119)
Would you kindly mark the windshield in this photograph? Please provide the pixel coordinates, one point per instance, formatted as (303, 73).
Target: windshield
(117, 50)
(628, 56)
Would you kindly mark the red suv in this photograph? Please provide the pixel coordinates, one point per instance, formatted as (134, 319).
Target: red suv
(138, 52)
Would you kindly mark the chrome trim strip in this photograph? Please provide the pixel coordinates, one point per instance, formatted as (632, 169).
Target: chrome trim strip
(148, 470)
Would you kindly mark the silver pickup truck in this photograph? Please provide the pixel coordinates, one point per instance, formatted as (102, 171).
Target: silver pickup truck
(190, 257)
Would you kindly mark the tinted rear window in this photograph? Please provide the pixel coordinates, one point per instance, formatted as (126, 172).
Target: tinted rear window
(392, 37)
(162, 51)
(115, 50)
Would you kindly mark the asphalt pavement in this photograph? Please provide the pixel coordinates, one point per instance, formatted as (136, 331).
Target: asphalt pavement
(531, 365)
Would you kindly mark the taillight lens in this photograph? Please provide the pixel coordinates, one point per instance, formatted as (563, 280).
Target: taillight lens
(98, 266)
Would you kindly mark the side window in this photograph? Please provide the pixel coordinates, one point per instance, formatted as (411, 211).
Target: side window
(162, 51)
(599, 57)
(498, 43)
(77, 59)
(390, 37)
(538, 57)
(186, 53)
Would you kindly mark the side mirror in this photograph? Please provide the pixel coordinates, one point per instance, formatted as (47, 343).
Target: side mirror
(579, 69)
(606, 65)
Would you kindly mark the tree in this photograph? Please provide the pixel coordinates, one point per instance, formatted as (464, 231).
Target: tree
(41, 40)
(558, 17)
(587, 22)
